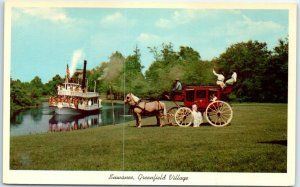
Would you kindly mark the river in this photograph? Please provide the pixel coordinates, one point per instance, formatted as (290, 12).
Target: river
(42, 119)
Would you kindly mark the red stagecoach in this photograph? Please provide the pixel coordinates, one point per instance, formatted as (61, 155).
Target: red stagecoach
(208, 99)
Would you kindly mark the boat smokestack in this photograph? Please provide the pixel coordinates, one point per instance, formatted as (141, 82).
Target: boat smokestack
(84, 74)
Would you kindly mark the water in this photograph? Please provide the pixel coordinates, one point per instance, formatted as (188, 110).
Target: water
(43, 119)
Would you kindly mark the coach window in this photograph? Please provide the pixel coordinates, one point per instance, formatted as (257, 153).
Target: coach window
(190, 95)
(201, 93)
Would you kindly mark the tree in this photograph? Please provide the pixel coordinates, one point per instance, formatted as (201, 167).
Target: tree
(51, 85)
(108, 74)
(276, 79)
(18, 95)
(188, 54)
(160, 70)
(133, 77)
(24, 94)
(199, 73)
(37, 82)
(185, 64)
(195, 71)
(248, 60)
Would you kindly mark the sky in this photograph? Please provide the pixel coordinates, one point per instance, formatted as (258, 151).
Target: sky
(45, 40)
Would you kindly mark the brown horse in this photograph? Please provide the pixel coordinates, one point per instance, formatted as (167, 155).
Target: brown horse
(140, 108)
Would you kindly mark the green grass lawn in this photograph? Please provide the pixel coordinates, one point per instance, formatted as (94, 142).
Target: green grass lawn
(254, 142)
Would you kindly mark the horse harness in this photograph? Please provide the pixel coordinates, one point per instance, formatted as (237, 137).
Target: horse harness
(132, 107)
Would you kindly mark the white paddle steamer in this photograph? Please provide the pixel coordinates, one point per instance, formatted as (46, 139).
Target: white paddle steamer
(74, 98)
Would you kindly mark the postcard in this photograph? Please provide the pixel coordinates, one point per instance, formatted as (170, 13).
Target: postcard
(140, 93)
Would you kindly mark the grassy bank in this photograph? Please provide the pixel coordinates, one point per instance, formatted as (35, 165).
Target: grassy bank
(254, 142)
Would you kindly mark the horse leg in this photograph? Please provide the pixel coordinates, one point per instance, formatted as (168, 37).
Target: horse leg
(139, 119)
(159, 117)
(136, 120)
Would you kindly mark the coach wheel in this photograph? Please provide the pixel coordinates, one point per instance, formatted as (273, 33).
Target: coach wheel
(184, 117)
(219, 113)
(171, 115)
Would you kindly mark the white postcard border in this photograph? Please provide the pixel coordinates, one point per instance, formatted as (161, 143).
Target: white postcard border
(194, 178)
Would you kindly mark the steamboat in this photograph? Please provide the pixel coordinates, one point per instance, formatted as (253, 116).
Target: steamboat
(74, 98)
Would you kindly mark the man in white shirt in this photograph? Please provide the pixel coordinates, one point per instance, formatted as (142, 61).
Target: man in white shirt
(232, 79)
(220, 80)
(177, 85)
(197, 116)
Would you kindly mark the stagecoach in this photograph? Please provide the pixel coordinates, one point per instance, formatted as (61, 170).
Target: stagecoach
(208, 100)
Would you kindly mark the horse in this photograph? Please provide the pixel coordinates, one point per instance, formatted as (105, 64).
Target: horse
(140, 108)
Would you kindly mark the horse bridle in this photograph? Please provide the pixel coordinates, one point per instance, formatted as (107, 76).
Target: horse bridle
(136, 103)
(131, 98)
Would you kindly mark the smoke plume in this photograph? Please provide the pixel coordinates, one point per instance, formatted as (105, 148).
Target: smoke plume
(113, 68)
(77, 57)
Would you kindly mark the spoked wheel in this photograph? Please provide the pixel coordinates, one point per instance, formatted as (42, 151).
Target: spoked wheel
(219, 113)
(171, 115)
(184, 117)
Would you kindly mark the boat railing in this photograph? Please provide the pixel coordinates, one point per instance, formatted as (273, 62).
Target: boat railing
(77, 94)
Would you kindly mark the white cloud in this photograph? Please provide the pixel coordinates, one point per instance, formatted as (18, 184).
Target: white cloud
(56, 22)
(51, 14)
(148, 39)
(181, 17)
(117, 19)
(247, 26)
(164, 23)
(177, 18)
(184, 16)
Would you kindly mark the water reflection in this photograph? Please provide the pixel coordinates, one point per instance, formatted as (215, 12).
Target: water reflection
(43, 119)
(73, 122)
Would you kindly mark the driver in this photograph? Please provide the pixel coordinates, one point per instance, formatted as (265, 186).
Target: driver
(177, 87)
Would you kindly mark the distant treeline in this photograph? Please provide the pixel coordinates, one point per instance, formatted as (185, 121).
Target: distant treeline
(262, 73)
(29, 94)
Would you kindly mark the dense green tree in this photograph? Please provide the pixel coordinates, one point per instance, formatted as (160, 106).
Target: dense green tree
(51, 86)
(275, 82)
(188, 54)
(185, 64)
(132, 75)
(18, 95)
(37, 82)
(24, 94)
(29, 94)
(162, 70)
(199, 73)
(195, 71)
(94, 78)
(37, 88)
(249, 60)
